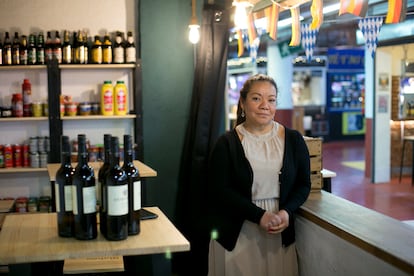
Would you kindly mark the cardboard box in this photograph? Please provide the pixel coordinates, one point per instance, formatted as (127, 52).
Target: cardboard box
(315, 154)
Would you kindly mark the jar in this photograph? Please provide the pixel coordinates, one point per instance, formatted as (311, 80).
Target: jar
(6, 111)
(45, 109)
(32, 204)
(21, 205)
(95, 110)
(44, 204)
(71, 109)
(85, 109)
(37, 109)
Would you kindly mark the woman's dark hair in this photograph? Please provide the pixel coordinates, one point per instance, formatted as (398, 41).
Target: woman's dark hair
(245, 90)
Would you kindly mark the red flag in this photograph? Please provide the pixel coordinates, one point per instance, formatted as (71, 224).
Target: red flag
(272, 15)
(251, 28)
(397, 10)
(295, 39)
(355, 7)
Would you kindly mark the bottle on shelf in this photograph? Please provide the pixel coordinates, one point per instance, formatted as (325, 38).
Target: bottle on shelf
(116, 191)
(66, 48)
(31, 50)
(134, 187)
(120, 98)
(63, 191)
(96, 55)
(119, 50)
(57, 47)
(48, 47)
(7, 50)
(23, 56)
(27, 97)
(40, 49)
(86, 47)
(79, 49)
(130, 50)
(84, 195)
(107, 50)
(107, 98)
(16, 49)
(1, 52)
(101, 183)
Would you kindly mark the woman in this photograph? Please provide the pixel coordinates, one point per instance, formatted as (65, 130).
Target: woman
(259, 175)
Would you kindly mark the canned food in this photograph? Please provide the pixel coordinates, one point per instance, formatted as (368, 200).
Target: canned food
(37, 109)
(17, 155)
(43, 160)
(47, 144)
(34, 160)
(33, 144)
(21, 205)
(25, 155)
(45, 108)
(32, 204)
(8, 156)
(85, 109)
(95, 109)
(40, 144)
(71, 109)
(44, 204)
(6, 112)
(1, 156)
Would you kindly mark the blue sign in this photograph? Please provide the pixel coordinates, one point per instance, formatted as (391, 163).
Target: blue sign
(346, 58)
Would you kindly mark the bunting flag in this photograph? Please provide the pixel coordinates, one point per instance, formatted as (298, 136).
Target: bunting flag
(295, 39)
(308, 39)
(316, 10)
(370, 28)
(355, 7)
(397, 10)
(272, 15)
(251, 28)
(240, 43)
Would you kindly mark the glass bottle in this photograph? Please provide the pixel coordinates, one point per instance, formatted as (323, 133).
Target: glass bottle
(66, 48)
(107, 50)
(1, 52)
(31, 50)
(118, 50)
(7, 50)
(101, 182)
(79, 49)
(130, 50)
(16, 49)
(23, 51)
(40, 49)
(97, 50)
(134, 187)
(84, 195)
(57, 48)
(48, 47)
(63, 191)
(116, 191)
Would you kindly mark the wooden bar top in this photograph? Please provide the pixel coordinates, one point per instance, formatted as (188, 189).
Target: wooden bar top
(144, 170)
(27, 238)
(384, 237)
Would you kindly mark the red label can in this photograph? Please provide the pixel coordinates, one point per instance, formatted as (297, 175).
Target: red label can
(25, 155)
(8, 156)
(1, 156)
(17, 155)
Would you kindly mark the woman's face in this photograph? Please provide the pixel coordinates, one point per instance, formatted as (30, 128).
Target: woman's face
(260, 104)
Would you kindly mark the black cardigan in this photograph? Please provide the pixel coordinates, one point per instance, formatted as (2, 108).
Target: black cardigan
(230, 179)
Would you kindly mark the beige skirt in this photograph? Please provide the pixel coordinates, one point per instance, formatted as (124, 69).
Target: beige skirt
(256, 252)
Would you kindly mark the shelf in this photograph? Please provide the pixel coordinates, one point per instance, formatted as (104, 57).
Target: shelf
(98, 117)
(21, 170)
(22, 67)
(97, 66)
(20, 119)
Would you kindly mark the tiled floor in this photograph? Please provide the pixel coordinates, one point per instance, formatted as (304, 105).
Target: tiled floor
(393, 199)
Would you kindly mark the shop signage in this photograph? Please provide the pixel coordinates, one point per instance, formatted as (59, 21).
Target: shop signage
(346, 58)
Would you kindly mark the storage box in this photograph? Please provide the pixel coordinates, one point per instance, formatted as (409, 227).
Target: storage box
(315, 154)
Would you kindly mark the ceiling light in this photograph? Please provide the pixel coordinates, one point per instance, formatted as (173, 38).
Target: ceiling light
(194, 33)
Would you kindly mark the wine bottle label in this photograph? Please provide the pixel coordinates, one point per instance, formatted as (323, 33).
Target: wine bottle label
(118, 200)
(89, 199)
(137, 195)
(67, 199)
(74, 200)
(57, 198)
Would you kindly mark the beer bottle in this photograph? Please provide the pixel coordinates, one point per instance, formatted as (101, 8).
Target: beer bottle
(7, 50)
(86, 48)
(107, 50)
(97, 50)
(130, 50)
(1, 53)
(48, 47)
(79, 48)
(66, 48)
(31, 50)
(23, 51)
(57, 48)
(16, 49)
(40, 49)
(119, 50)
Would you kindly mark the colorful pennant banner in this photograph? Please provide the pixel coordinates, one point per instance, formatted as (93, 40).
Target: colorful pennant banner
(317, 14)
(272, 14)
(356, 7)
(370, 28)
(295, 39)
(397, 10)
(308, 39)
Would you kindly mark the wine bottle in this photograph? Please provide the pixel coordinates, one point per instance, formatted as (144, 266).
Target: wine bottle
(134, 187)
(116, 186)
(130, 51)
(63, 191)
(103, 206)
(84, 195)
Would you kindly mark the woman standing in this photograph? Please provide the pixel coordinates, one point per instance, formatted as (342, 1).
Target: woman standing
(259, 175)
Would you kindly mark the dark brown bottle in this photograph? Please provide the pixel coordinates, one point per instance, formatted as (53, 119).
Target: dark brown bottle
(40, 49)
(96, 55)
(1, 52)
(107, 50)
(103, 206)
(134, 187)
(16, 49)
(130, 50)
(7, 50)
(48, 47)
(57, 48)
(23, 51)
(116, 191)
(66, 48)
(119, 50)
(84, 195)
(63, 191)
(31, 50)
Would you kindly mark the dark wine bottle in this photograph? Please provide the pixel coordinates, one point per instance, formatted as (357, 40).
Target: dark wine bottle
(134, 187)
(103, 205)
(63, 191)
(116, 186)
(84, 195)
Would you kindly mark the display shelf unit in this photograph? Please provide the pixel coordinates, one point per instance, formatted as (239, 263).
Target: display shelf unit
(23, 119)
(21, 170)
(98, 117)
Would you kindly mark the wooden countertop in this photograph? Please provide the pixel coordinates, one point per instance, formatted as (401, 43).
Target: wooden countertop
(144, 170)
(384, 237)
(27, 238)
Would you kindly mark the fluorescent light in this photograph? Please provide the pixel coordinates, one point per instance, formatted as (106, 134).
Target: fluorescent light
(287, 22)
(331, 8)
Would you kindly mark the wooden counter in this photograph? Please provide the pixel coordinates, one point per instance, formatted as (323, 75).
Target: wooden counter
(384, 237)
(144, 170)
(28, 238)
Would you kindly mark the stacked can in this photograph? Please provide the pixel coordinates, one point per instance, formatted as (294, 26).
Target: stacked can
(39, 149)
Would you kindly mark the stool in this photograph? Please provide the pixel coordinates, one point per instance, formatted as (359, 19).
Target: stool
(405, 140)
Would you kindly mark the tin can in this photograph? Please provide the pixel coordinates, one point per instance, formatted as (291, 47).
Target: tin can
(45, 109)
(17, 155)
(6, 112)
(44, 204)
(32, 204)
(37, 109)
(40, 143)
(34, 160)
(21, 205)
(47, 144)
(43, 160)
(33, 144)
(17, 105)
(1, 156)
(25, 155)
(8, 156)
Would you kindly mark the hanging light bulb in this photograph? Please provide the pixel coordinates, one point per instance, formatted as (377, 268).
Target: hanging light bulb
(194, 33)
(240, 14)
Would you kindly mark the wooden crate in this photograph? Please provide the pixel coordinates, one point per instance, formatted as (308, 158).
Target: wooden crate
(315, 154)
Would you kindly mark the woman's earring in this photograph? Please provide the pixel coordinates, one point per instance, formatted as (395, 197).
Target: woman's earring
(242, 114)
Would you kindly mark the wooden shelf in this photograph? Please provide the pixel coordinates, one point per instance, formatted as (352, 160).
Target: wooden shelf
(22, 67)
(22, 170)
(21, 119)
(99, 117)
(98, 66)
